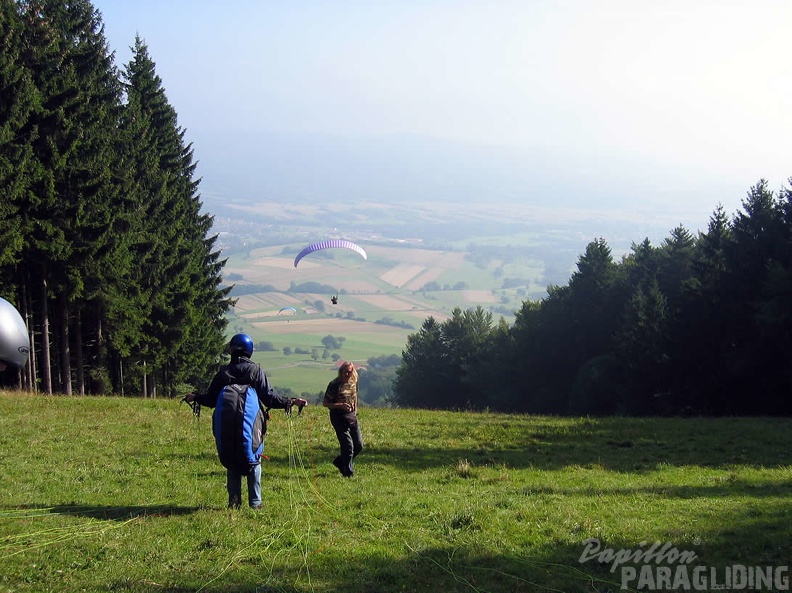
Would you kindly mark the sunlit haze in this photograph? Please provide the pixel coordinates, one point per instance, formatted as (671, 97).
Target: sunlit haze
(682, 104)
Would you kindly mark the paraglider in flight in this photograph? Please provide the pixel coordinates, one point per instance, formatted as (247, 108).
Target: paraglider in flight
(329, 244)
(288, 310)
(334, 299)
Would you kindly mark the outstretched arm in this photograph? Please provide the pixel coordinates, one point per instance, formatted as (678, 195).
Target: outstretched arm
(271, 398)
(208, 398)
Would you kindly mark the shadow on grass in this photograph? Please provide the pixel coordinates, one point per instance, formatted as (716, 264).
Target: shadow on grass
(556, 457)
(764, 490)
(553, 568)
(617, 444)
(116, 513)
(430, 569)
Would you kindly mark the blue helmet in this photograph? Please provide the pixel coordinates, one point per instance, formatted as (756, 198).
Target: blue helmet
(241, 344)
(14, 341)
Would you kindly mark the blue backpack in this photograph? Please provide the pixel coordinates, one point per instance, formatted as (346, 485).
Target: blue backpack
(239, 426)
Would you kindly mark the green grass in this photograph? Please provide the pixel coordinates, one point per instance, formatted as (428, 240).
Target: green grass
(114, 494)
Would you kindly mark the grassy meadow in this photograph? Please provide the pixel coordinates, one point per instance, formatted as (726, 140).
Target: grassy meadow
(122, 494)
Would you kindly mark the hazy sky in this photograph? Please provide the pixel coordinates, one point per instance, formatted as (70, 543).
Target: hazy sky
(684, 95)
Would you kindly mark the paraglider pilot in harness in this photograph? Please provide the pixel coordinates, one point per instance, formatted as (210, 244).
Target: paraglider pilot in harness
(241, 396)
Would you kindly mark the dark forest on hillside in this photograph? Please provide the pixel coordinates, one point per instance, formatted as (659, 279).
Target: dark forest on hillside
(103, 248)
(696, 325)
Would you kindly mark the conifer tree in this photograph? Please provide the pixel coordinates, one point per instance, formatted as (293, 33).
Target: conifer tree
(68, 215)
(701, 343)
(465, 338)
(179, 272)
(18, 101)
(19, 98)
(756, 244)
(422, 373)
(542, 333)
(675, 261)
(642, 345)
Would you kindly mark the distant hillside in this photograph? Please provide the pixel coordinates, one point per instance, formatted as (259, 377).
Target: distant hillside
(311, 168)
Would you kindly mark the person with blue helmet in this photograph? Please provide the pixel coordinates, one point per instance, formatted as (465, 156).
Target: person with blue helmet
(224, 394)
(14, 340)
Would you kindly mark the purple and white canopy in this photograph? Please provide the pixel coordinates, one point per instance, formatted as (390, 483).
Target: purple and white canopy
(329, 244)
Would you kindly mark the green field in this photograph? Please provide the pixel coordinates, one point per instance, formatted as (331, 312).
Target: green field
(381, 301)
(119, 494)
(300, 372)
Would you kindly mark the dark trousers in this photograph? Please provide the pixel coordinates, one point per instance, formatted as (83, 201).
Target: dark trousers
(350, 439)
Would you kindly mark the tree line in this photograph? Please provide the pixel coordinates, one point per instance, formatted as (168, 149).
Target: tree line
(696, 325)
(103, 246)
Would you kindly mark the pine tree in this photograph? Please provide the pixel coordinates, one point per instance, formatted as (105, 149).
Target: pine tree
(757, 245)
(179, 271)
(18, 101)
(19, 98)
(422, 373)
(675, 258)
(465, 339)
(642, 346)
(67, 217)
(701, 345)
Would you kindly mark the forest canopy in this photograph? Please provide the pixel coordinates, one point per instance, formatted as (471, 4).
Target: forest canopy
(696, 325)
(103, 246)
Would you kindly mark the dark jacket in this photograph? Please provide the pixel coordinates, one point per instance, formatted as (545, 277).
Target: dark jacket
(239, 422)
(243, 371)
(333, 395)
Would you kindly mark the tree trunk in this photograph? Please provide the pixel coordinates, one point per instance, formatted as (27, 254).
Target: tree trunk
(45, 342)
(149, 383)
(65, 352)
(97, 380)
(78, 355)
(30, 368)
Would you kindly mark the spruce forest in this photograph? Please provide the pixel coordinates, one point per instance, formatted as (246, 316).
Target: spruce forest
(106, 252)
(697, 325)
(103, 246)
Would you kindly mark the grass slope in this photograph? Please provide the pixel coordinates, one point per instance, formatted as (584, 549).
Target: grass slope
(114, 494)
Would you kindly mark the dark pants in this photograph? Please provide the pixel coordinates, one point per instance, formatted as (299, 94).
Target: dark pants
(350, 438)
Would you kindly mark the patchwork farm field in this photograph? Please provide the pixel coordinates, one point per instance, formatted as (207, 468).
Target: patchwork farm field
(381, 301)
(423, 259)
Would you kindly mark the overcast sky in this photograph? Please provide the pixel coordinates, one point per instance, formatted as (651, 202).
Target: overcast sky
(694, 94)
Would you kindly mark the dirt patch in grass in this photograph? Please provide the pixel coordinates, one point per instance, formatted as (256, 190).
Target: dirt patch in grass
(273, 262)
(419, 266)
(421, 257)
(428, 276)
(387, 302)
(265, 303)
(401, 274)
(478, 296)
(331, 325)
